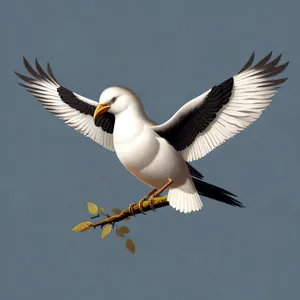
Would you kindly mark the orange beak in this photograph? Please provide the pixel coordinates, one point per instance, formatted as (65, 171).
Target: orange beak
(101, 109)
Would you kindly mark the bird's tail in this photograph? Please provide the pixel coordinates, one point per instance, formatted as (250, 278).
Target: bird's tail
(211, 191)
(184, 201)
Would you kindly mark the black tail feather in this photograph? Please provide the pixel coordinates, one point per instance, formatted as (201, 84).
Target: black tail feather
(194, 173)
(211, 191)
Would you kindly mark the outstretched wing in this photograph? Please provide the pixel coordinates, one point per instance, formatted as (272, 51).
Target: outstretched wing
(210, 119)
(73, 109)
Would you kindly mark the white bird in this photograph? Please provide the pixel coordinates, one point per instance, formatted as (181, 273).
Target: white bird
(158, 155)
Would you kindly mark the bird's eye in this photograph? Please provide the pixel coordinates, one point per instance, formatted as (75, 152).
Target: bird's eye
(113, 100)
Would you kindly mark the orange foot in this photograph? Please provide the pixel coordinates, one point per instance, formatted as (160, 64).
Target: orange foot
(156, 194)
(141, 202)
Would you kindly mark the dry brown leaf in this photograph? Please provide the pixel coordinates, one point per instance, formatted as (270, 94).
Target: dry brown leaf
(84, 226)
(106, 230)
(116, 211)
(130, 245)
(92, 208)
(101, 212)
(119, 233)
(124, 229)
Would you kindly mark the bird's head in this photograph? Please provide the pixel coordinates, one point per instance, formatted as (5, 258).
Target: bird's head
(116, 100)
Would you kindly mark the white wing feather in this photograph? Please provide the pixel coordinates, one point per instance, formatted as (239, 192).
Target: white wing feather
(251, 94)
(45, 88)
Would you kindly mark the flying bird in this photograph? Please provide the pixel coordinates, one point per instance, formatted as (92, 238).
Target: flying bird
(159, 155)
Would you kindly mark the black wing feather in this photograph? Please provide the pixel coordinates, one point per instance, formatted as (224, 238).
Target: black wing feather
(105, 121)
(184, 132)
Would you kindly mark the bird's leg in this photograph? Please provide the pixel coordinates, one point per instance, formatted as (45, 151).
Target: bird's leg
(141, 202)
(162, 189)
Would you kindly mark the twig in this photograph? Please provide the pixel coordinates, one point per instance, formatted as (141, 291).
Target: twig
(157, 203)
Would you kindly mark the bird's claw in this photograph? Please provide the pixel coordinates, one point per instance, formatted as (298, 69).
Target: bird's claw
(152, 194)
(141, 206)
(131, 209)
(151, 204)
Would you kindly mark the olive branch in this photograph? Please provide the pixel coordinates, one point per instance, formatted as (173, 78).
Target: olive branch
(108, 224)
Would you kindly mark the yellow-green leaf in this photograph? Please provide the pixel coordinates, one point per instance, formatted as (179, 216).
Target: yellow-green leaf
(84, 226)
(101, 212)
(124, 229)
(119, 233)
(116, 211)
(93, 208)
(130, 245)
(106, 230)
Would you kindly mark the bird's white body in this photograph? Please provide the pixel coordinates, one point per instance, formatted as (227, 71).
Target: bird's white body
(156, 160)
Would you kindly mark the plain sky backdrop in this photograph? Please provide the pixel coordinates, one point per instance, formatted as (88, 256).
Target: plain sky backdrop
(168, 52)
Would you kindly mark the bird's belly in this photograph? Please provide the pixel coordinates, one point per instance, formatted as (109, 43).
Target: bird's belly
(152, 160)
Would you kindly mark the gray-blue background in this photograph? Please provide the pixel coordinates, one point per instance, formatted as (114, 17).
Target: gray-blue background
(168, 52)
